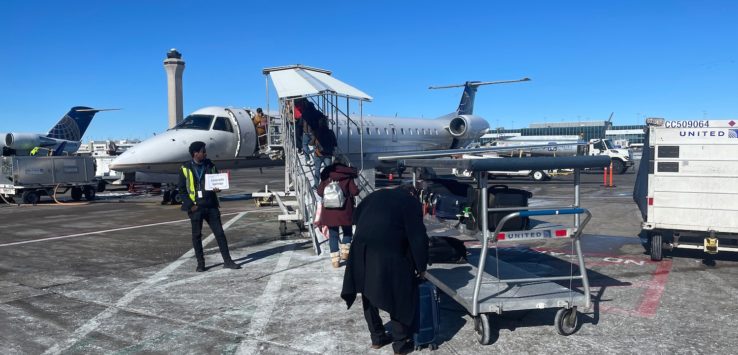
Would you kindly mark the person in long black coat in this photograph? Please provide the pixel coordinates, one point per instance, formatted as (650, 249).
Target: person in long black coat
(389, 255)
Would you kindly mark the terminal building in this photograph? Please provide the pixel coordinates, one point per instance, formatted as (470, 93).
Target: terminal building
(628, 135)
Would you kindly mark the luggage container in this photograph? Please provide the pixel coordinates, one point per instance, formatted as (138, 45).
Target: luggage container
(27, 178)
(687, 185)
(489, 285)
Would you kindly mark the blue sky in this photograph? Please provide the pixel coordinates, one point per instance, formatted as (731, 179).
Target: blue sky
(586, 59)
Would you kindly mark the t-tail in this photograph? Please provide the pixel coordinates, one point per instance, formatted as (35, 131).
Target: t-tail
(73, 125)
(65, 136)
(466, 105)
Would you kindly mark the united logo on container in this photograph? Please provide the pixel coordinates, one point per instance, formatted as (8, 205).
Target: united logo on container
(733, 133)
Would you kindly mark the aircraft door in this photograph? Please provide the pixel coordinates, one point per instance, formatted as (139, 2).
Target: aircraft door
(222, 141)
(393, 132)
(245, 139)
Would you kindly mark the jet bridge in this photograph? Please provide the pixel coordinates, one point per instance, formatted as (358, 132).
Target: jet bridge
(335, 99)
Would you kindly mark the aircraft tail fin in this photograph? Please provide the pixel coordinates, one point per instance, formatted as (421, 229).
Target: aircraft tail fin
(73, 125)
(466, 105)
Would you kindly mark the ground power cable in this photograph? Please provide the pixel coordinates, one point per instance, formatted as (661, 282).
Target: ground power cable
(53, 196)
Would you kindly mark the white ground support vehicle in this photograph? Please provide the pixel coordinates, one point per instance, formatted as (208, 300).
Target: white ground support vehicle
(27, 178)
(687, 185)
(537, 175)
(621, 158)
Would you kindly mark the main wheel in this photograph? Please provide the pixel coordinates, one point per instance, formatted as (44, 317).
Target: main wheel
(283, 228)
(538, 175)
(76, 193)
(656, 247)
(483, 328)
(175, 198)
(101, 186)
(618, 166)
(567, 320)
(31, 197)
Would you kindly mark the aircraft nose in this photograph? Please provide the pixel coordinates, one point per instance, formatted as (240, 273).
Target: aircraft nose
(151, 153)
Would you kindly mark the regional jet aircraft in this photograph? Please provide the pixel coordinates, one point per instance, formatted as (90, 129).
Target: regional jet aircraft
(64, 137)
(232, 142)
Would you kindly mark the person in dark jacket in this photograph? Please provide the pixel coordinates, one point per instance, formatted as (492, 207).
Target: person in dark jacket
(311, 118)
(389, 255)
(325, 143)
(339, 217)
(201, 204)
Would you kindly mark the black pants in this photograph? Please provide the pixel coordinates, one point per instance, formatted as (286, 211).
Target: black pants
(400, 332)
(299, 130)
(212, 216)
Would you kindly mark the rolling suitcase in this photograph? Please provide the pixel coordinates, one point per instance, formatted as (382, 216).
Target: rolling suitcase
(499, 196)
(448, 197)
(428, 317)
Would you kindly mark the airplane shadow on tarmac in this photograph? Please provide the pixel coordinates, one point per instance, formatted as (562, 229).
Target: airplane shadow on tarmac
(453, 315)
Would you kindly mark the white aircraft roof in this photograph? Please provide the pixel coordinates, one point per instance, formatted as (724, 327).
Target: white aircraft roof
(296, 82)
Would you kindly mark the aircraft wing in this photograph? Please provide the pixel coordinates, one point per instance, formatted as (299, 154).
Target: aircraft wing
(453, 152)
(513, 164)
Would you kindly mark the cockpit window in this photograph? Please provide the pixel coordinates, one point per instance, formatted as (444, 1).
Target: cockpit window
(201, 122)
(222, 124)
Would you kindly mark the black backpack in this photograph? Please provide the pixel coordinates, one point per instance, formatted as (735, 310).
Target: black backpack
(446, 250)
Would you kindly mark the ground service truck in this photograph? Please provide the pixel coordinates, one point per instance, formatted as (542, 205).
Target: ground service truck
(687, 185)
(622, 158)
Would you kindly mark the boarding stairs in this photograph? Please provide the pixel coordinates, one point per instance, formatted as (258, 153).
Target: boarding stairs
(299, 200)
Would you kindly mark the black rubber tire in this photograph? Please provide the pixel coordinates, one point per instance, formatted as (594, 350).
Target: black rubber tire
(483, 329)
(282, 228)
(175, 198)
(89, 193)
(657, 251)
(538, 175)
(31, 197)
(618, 166)
(76, 193)
(101, 185)
(567, 321)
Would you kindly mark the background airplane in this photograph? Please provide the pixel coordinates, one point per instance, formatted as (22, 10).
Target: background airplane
(64, 137)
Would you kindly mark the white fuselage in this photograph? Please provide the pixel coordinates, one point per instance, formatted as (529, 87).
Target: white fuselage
(231, 141)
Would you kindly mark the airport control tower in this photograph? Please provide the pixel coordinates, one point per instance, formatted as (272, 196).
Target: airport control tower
(174, 65)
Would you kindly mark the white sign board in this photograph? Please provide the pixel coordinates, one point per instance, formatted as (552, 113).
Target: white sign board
(216, 180)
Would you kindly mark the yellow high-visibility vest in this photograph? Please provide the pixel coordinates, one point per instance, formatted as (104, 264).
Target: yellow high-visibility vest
(191, 179)
(34, 150)
(191, 186)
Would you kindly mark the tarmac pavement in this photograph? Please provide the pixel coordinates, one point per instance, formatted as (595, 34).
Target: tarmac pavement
(117, 276)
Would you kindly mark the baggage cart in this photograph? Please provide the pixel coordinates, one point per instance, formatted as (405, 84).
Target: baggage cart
(488, 285)
(27, 178)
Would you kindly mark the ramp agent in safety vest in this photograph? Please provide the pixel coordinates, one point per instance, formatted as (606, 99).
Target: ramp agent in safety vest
(202, 205)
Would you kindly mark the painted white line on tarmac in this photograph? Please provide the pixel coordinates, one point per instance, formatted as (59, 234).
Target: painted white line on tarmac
(100, 232)
(95, 322)
(265, 304)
